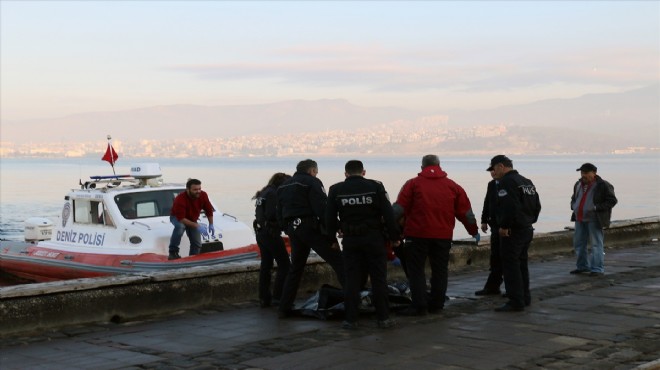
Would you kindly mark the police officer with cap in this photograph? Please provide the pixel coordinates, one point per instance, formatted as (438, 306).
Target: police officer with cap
(518, 208)
(360, 210)
(301, 203)
(488, 219)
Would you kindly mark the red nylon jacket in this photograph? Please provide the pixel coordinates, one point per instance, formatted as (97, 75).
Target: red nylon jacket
(432, 202)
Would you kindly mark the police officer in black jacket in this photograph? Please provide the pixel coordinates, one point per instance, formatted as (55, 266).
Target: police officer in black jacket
(517, 209)
(365, 221)
(270, 242)
(301, 203)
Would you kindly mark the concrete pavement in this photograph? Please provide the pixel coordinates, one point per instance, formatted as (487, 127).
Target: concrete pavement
(581, 322)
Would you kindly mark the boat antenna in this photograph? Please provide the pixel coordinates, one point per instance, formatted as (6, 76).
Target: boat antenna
(110, 155)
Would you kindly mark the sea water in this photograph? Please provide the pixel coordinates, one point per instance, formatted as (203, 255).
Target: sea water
(36, 187)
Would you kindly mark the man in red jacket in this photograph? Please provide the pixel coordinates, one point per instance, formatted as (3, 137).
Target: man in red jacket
(186, 209)
(431, 203)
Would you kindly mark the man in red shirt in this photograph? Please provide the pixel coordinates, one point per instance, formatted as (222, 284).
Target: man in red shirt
(431, 202)
(185, 212)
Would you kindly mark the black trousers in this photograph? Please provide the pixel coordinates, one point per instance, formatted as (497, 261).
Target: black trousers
(272, 248)
(365, 254)
(437, 252)
(513, 250)
(303, 239)
(495, 277)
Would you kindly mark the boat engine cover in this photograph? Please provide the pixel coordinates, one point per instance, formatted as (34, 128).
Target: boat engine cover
(38, 228)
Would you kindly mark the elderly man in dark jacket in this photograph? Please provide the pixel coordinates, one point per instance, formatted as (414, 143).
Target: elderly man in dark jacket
(592, 202)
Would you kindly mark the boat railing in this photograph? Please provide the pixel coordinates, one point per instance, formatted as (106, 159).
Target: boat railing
(230, 216)
(141, 224)
(108, 181)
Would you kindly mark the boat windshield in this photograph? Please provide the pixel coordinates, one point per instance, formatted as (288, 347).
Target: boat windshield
(146, 204)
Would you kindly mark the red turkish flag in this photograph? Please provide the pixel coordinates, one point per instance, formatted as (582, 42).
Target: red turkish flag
(110, 155)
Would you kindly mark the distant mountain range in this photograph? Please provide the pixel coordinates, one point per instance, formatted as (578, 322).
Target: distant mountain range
(195, 121)
(630, 118)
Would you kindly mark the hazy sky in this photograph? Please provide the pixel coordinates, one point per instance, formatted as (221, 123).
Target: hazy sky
(64, 57)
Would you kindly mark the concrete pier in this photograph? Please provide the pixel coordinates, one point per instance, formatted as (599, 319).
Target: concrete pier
(202, 319)
(34, 307)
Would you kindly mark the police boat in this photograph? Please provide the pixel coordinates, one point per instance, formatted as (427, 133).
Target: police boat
(115, 225)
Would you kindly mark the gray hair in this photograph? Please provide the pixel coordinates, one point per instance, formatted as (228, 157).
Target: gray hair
(430, 160)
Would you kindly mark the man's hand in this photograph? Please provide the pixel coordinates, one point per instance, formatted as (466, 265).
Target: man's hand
(203, 230)
(212, 230)
(335, 246)
(484, 227)
(477, 237)
(505, 232)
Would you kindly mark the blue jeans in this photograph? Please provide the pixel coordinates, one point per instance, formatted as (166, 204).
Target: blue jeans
(589, 232)
(193, 235)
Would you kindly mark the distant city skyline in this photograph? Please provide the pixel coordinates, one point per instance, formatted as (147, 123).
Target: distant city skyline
(62, 58)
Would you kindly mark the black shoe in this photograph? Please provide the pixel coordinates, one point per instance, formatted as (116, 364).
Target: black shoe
(596, 273)
(173, 256)
(348, 325)
(284, 314)
(386, 324)
(487, 292)
(509, 308)
(578, 271)
(412, 311)
(264, 303)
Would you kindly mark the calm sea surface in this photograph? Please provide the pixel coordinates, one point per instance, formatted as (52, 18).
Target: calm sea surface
(36, 187)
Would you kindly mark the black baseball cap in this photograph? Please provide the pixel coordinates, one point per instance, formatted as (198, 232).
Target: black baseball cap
(501, 158)
(587, 167)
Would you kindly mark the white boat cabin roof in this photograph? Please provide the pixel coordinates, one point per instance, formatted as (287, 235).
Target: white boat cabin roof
(133, 197)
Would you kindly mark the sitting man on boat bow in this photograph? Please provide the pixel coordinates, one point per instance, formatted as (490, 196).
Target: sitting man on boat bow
(187, 207)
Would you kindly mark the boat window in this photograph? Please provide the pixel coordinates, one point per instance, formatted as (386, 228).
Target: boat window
(96, 211)
(82, 211)
(147, 203)
(92, 212)
(126, 206)
(147, 209)
(107, 218)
